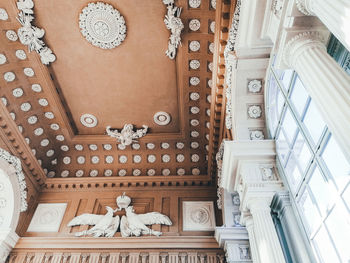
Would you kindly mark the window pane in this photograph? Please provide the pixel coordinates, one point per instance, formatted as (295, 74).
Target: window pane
(276, 102)
(311, 214)
(325, 247)
(292, 173)
(336, 163)
(314, 122)
(323, 191)
(338, 224)
(299, 96)
(282, 147)
(286, 77)
(346, 196)
(302, 152)
(289, 126)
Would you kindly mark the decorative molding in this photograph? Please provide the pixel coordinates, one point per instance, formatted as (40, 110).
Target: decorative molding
(219, 158)
(127, 136)
(173, 23)
(47, 217)
(255, 85)
(30, 35)
(88, 120)
(130, 225)
(268, 173)
(277, 6)
(16, 163)
(254, 111)
(102, 25)
(231, 42)
(198, 216)
(298, 43)
(162, 118)
(303, 7)
(256, 135)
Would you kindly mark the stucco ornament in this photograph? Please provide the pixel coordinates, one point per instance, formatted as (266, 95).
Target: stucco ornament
(254, 86)
(102, 25)
(162, 118)
(254, 111)
(173, 23)
(15, 161)
(131, 224)
(30, 35)
(127, 135)
(3, 14)
(219, 159)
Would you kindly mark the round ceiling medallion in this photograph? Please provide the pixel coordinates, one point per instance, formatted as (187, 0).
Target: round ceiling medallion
(102, 25)
(88, 120)
(162, 118)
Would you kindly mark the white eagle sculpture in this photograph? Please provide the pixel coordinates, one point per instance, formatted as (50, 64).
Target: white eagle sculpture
(131, 224)
(127, 135)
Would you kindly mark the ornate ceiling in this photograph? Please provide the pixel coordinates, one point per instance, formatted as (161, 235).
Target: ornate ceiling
(62, 109)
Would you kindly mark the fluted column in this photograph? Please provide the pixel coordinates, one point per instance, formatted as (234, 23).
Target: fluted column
(298, 246)
(326, 82)
(334, 15)
(249, 224)
(267, 241)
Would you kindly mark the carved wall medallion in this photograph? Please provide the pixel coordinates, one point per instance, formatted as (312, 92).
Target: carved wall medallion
(198, 216)
(88, 120)
(173, 23)
(47, 217)
(162, 118)
(254, 111)
(102, 25)
(254, 86)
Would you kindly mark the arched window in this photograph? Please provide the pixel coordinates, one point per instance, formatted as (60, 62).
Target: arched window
(313, 165)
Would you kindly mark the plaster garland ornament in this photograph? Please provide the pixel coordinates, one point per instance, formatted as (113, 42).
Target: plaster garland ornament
(30, 35)
(3, 14)
(127, 136)
(162, 118)
(16, 163)
(173, 23)
(131, 224)
(102, 25)
(219, 161)
(255, 86)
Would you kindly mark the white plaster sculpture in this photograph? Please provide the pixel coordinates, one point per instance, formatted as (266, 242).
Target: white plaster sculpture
(127, 135)
(131, 224)
(104, 225)
(134, 225)
(30, 35)
(174, 24)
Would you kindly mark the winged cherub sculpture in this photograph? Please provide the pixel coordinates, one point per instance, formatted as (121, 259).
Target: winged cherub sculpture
(104, 225)
(131, 224)
(127, 135)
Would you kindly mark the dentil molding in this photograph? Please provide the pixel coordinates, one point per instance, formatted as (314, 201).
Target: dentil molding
(30, 35)
(102, 25)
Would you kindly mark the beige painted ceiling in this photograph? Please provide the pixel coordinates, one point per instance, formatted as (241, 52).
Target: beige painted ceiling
(127, 84)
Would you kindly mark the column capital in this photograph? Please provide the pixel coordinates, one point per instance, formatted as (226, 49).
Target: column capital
(259, 204)
(300, 43)
(305, 7)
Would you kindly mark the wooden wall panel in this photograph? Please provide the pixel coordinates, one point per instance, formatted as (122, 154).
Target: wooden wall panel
(165, 200)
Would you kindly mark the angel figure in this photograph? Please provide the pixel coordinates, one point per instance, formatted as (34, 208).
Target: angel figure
(134, 225)
(127, 136)
(104, 225)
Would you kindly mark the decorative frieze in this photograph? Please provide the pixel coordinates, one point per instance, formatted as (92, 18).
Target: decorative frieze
(173, 23)
(30, 35)
(102, 25)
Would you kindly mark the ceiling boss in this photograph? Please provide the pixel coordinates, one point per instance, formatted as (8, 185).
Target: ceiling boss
(102, 25)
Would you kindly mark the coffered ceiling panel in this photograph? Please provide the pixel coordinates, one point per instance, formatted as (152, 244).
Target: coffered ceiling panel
(127, 84)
